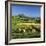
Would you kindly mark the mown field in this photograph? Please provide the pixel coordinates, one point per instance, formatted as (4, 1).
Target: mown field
(25, 27)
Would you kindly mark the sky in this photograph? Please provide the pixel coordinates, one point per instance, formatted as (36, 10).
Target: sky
(27, 10)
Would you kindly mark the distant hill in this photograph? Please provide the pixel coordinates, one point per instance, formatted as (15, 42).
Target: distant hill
(27, 17)
(24, 18)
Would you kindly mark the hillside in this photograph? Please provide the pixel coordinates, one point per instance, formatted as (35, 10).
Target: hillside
(25, 27)
(27, 19)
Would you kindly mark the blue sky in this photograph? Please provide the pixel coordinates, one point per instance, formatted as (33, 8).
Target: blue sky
(27, 10)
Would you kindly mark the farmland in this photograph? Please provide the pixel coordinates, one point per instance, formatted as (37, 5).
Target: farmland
(25, 27)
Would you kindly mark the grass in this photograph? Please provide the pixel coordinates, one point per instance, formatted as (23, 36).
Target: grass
(26, 35)
(30, 25)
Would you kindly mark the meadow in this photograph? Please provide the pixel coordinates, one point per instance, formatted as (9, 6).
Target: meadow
(25, 27)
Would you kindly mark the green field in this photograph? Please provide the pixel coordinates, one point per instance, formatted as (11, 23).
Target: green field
(25, 27)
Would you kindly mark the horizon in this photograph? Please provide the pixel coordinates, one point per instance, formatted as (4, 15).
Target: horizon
(27, 10)
(25, 15)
